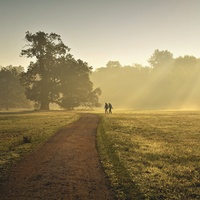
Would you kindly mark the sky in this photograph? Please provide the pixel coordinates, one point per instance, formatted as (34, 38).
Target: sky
(98, 31)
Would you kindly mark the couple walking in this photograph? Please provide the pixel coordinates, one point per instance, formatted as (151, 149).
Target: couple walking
(108, 108)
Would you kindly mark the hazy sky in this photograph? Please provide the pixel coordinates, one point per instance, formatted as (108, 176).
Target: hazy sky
(98, 31)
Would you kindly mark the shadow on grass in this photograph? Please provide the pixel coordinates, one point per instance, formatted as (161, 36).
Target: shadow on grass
(120, 178)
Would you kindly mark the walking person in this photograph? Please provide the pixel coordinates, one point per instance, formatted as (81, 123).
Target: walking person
(106, 108)
(110, 108)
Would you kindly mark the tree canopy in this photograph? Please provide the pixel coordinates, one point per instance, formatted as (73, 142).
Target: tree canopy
(55, 76)
(75, 86)
(160, 58)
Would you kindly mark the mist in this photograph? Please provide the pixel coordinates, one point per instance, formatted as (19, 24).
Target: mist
(167, 83)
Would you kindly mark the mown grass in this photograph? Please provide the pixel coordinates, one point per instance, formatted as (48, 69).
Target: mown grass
(152, 155)
(36, 126)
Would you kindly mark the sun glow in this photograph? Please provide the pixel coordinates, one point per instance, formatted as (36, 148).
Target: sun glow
(174, 85)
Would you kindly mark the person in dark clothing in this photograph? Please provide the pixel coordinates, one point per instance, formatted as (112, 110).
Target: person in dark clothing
(106, 108)
(110, 108)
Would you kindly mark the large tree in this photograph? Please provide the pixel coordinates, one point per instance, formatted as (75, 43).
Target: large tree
(11, 92)
(56, 77)
(39, 80)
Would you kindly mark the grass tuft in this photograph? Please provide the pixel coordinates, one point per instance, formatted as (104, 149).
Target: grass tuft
(26, 139)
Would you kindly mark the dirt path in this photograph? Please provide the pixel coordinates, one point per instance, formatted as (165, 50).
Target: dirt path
(64, 168)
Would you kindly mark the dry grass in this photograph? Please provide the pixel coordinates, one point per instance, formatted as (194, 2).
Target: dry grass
(152, 155)
(21, 132)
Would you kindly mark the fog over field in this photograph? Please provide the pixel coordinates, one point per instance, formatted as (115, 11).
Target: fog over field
(143, 54)
(167, 83)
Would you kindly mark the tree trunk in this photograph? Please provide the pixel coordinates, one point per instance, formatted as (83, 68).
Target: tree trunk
(7, 105)
(44, 105)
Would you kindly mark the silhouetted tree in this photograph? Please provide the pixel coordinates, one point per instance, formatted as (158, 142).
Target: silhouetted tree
(39, 80)
(11, 92)
(56, 77)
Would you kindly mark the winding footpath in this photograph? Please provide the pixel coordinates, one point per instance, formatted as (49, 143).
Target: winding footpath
(66, 167)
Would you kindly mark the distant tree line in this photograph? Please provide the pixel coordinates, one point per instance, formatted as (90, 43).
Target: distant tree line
(11, 91)
(167, 83)
(55, 77)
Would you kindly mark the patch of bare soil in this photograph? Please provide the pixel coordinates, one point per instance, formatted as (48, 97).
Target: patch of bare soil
(66, 167)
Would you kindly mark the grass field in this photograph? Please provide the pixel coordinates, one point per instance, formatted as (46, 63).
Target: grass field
(152, 155)
(21, 132)
(146, 155)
